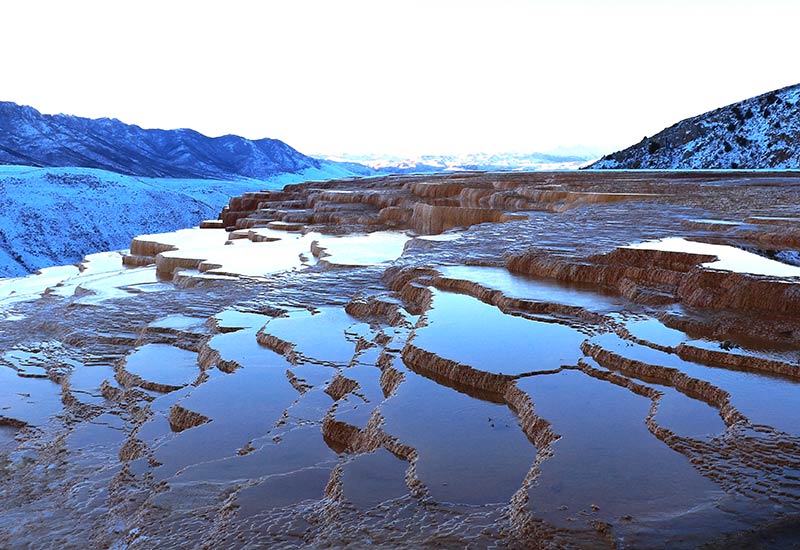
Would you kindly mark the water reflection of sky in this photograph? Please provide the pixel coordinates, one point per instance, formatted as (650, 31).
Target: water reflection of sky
(729, 258)
(362, 250)
(277, 251)
(466, 330)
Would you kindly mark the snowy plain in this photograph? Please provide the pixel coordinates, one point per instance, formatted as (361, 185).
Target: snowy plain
(56, 216)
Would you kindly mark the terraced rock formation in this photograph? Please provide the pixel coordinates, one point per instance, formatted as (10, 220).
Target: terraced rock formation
(544, 360)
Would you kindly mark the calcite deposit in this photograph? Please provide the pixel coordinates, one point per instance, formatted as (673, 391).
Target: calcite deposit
(475, 360)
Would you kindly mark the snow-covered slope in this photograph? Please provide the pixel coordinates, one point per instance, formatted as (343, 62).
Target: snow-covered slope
(30, 138)
(55, 216)
(476, 161)
(760, 132)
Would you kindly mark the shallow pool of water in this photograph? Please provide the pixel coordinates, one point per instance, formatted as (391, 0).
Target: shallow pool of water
(606, 464)
(373, 478)
(537, 290)
(167, 366)
(470, 451)
(763, 399)
(363, 250)
(466, 330)
(318, 336)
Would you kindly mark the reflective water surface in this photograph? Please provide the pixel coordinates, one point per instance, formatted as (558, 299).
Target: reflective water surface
(729, 258)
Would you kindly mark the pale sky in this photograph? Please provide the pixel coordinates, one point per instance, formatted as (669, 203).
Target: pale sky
(399, 77)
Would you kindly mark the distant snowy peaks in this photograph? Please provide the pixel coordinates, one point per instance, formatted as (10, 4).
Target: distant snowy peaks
(474, 161)
(757, 133)
(30, 138)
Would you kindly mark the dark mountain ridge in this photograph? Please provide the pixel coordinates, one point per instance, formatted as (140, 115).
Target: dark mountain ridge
(762, 132)
(30, 138)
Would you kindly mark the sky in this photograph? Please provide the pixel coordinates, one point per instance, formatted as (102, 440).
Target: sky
(401, 77)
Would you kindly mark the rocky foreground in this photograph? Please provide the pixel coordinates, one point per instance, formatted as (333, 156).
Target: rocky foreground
(601, 359)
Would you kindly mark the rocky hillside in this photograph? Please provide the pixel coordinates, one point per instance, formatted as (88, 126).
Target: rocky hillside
(30, 138)
(760, 132)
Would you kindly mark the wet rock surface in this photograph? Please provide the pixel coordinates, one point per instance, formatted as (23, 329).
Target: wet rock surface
(564, 367)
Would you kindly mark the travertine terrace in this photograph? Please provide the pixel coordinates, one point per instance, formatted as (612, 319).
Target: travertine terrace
(522, 360)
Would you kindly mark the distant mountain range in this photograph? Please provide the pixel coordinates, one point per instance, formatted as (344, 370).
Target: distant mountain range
(71, 186)
(478, 161)
(757, 133)
(30, 138)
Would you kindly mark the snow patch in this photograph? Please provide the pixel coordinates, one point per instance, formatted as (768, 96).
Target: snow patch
(55, 216)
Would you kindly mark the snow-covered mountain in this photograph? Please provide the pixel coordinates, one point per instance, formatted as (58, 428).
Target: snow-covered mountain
(55, 216)
(760, 132)
(30, 138)
(476, 161)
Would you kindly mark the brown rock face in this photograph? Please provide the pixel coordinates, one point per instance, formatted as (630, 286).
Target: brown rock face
(739, 291)
(428, 205)
(430, 220)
